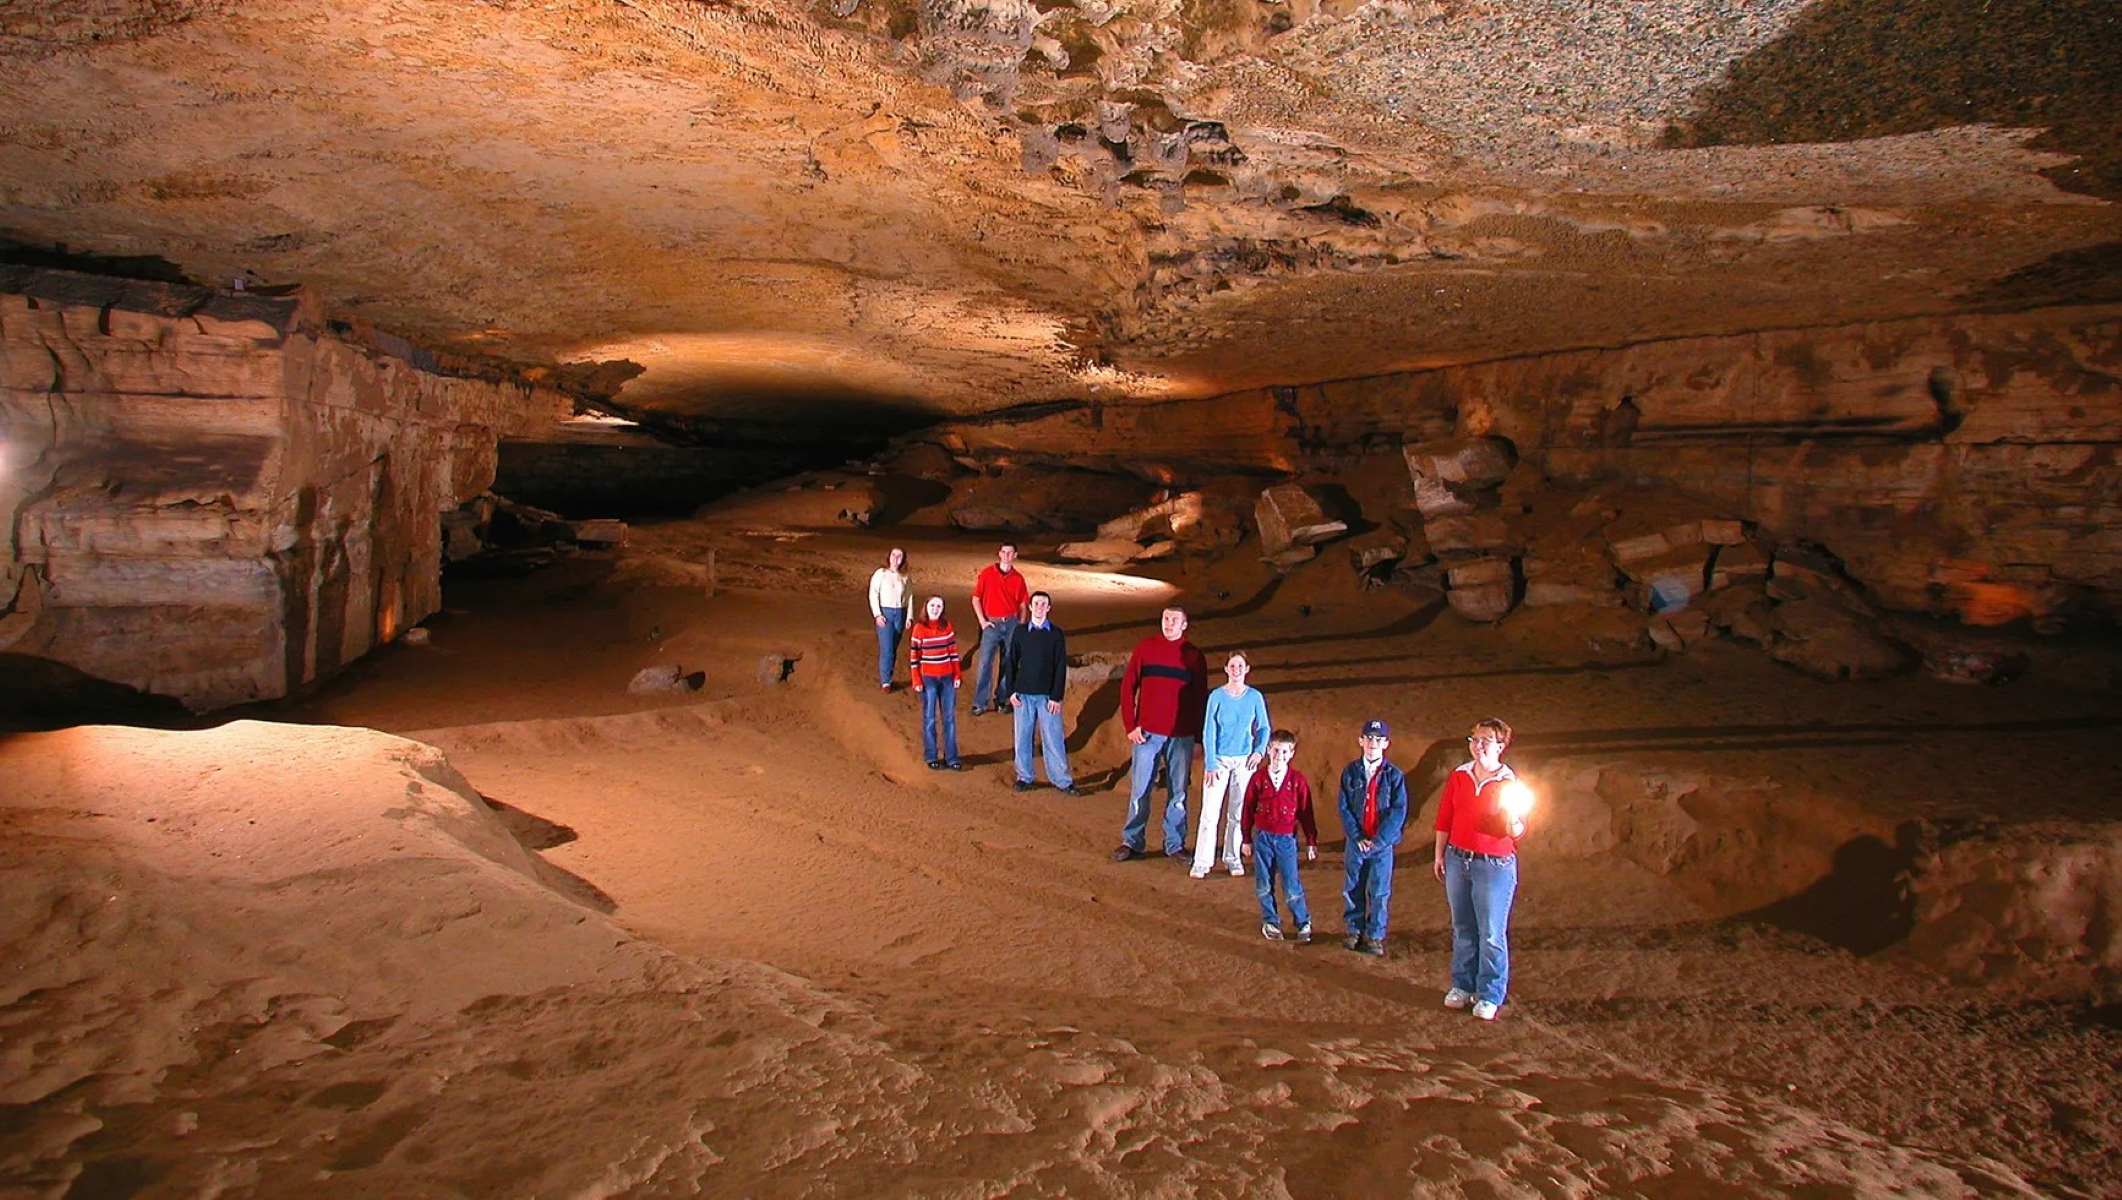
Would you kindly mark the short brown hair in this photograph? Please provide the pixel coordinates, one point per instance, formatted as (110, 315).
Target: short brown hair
(1283, 736)
(1496, 727)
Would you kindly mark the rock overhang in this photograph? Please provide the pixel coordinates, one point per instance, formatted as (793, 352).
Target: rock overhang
(950, 208)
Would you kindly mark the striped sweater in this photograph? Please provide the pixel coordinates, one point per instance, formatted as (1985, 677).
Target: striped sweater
(934, 648)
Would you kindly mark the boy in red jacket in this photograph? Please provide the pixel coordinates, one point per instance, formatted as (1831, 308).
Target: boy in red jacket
(1278, 802)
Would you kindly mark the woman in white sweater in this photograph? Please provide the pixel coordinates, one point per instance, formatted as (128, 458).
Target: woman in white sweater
(888, 589)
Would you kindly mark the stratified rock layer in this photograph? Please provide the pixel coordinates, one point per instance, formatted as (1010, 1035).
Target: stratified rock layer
(209, 498)
(1962, 466)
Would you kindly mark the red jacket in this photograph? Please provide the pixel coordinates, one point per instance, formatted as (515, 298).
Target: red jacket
(934, 649)
(1474, 820)
(1269, 809)
(1173, 681)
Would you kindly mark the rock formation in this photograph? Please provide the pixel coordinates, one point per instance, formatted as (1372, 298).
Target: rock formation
(1960, 466)
(210, 497)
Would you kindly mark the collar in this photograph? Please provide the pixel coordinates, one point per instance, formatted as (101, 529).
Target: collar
(1467, 768)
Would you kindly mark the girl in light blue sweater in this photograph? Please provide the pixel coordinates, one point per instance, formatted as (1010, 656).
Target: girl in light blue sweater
(1233, 740)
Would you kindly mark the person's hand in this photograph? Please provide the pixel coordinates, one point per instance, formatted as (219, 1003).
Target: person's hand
(1053, 706)
(1016, 701)
(1245, 849)
(1137, 736)
(1311, 854)
(1517, 829)
(1366, 845)
(880, 622)
(1436, 867)
(1252, 762)
(1213, 779)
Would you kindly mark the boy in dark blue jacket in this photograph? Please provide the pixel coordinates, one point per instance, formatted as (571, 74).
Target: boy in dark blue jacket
(1373, 812)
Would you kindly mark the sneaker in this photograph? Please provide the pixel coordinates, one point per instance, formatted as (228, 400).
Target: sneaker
(1371, 946)
(1073, 790)
(935, 764)
(1352, 941)
(956, 766)
(1457, 998)
(1485, 1011)
(1304, 934)
(979, 711)
(1024, 785)
(1238, 869)
(1126, 853)
(1197, 873)
(1272, 933)
(887, 687)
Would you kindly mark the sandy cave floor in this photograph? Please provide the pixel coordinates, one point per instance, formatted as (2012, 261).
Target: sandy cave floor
(1657, 1042)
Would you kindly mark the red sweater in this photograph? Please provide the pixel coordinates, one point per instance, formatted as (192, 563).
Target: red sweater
(1173, 681)
(934, 649)
(1269, 809)
(1474, 820)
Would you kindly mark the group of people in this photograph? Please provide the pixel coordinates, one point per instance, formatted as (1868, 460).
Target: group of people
(1255, 803)
(1023, 659)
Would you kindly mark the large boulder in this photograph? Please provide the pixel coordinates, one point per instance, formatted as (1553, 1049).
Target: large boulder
(1484, 589)
(1288, 516)
(1451, 476)
(1670, 581)
(1103, 550)
(982, 518)
(1825, 639)
(1194, 519)
(1467, 534)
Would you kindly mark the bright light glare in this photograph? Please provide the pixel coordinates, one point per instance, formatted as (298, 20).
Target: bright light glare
(1517, 800)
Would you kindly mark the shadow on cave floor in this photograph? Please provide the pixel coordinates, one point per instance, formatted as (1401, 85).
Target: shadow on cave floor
(1736, 736)
(1846, 70)
(1862, 905)
(1374, 681)
(38, 693)
(536, 834)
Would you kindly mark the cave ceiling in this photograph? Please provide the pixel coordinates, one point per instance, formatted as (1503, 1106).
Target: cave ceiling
(873, 210)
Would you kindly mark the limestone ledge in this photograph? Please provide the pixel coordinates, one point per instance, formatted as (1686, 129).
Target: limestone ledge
(211, 496)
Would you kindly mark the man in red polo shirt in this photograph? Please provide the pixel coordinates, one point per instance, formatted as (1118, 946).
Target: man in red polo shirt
(1000, 598)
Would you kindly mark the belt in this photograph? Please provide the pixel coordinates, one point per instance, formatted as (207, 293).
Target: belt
(1472, 856)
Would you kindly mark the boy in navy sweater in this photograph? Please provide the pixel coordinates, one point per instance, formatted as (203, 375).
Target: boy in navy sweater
(1373, 812)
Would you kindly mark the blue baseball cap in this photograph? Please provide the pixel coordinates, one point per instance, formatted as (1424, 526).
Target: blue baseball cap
(1376, 728)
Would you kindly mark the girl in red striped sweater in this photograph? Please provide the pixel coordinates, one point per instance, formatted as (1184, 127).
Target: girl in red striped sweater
(934, 647)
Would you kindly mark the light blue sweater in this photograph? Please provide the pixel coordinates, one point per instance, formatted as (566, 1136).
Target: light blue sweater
(1235, 726)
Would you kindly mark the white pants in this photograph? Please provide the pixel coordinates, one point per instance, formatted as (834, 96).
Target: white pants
(1222, 805)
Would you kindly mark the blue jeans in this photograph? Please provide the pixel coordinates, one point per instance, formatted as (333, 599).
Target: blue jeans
(985, 669)
(1179, 765)
(1480, 890)
(1275, 857)
(888, 635)
(939, 706)
(1031, 710)
(1367, 890)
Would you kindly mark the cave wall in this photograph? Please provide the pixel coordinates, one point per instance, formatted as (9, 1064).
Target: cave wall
(1963, 466)
(210, 497)
(593, 470)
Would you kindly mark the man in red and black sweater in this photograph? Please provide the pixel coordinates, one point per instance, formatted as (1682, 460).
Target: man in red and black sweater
(1163, 696)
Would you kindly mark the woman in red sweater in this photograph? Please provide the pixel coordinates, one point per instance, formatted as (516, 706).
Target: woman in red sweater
(1477, 859)
(934, 646)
